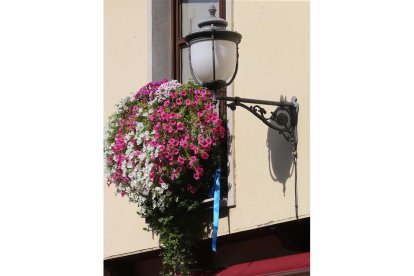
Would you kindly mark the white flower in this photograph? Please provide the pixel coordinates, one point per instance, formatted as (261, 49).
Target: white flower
(164, 186)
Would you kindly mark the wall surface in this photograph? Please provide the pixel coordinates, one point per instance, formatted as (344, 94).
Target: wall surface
(274, 61)
(125, 70)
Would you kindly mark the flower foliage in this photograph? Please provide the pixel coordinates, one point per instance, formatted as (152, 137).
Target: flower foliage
(161, 150)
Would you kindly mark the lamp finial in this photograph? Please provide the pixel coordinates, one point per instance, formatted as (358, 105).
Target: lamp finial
(212, 11)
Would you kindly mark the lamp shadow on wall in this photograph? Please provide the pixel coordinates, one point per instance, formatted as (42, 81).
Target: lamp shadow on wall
(279, 157)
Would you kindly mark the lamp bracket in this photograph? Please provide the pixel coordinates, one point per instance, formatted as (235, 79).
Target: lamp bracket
(284, 119)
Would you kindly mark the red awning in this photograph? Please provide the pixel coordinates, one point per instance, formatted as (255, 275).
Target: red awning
(292, 263)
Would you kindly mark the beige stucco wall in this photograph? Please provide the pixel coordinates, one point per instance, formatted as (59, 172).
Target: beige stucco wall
(125, 70)
(274, 60)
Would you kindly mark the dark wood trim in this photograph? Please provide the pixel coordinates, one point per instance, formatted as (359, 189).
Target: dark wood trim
(175, 41)
(222, 9)
(178, 35)
(180, 41)
(173, 35)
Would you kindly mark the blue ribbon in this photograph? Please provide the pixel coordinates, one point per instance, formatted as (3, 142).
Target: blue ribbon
(216, 208)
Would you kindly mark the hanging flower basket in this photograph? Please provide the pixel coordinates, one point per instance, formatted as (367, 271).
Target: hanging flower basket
(161, 151)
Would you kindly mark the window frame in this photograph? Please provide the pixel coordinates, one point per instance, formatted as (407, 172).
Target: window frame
(177, 41)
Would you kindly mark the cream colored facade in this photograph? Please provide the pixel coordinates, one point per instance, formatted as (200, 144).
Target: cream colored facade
(274, 61)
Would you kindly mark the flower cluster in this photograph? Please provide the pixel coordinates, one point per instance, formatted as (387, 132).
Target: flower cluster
(160, 136)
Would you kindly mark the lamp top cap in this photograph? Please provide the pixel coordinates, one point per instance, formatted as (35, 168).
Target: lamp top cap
(212, 22)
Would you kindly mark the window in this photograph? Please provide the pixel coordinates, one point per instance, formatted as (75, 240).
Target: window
(184, 18)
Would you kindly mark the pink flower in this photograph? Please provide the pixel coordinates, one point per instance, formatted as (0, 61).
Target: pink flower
(166, 103)
(199, 170)
(196, 176)
(209, 106)
(200, 114)
(192, 160)
(178, 101)
(187, 102)
(180, 160)
(169, 157)
(209, 141)
(191, 188)
(204, 155)
(180, 126)
(184, 144)
(214, 118)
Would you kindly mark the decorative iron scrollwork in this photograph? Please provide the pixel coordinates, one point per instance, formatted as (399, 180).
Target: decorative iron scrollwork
(258, 110)
(283, 119)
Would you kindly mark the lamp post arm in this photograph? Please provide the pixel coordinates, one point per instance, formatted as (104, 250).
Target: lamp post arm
(283, 102)
(283, 119)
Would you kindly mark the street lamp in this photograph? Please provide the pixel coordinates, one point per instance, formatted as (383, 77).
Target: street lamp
(214, 58)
